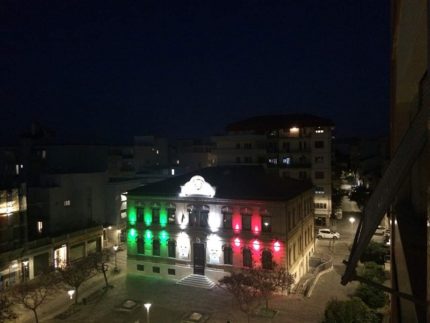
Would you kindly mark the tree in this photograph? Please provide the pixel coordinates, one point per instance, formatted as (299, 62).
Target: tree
(349, 311)
(375, 252)
(371, 296)
(360, 195)
(6, 311)
(240, 285)
(76, 273)
(271, 281)
(101, 264)
(31, 294)
(372, 271)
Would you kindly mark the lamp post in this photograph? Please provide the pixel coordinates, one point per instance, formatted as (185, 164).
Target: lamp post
(71, 292)
(25, 271)
(147, 306)
(351, 220)
(115, 248)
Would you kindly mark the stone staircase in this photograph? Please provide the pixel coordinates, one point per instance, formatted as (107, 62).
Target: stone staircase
(199, 281)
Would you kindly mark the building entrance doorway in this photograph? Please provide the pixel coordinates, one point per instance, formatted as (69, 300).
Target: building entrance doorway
(199, 258)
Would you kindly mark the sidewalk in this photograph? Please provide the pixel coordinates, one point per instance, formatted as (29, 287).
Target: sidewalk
(60, 301)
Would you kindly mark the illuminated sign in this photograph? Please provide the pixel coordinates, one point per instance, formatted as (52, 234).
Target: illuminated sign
(197, 186)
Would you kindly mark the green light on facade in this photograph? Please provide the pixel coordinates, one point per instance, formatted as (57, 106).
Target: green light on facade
(163, 217)
(132, 215)
(147, 216)
(163, 236)
(132, 234)
(148, 236)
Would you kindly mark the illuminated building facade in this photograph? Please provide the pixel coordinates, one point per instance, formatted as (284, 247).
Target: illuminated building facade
(290, 145)
(219, 219)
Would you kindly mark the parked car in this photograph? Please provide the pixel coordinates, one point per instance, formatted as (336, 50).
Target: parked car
(380, 230)
(327, 234)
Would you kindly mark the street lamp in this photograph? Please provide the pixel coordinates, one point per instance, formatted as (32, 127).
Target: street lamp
(115, 248)
(71, 292)
(351, 220)
(147, 306)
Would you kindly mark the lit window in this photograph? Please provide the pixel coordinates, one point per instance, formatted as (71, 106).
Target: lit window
(286, 160)
(39, 226)
(319, 190)
(43, 154)
(273, 161)
(319, 130)
(17, 169)
(172, 171)
(157, 152)
(67, 203)
(294, 130)
(177, 162)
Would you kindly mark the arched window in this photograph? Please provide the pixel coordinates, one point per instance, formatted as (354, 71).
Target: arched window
(156, 247)
(140, 246)
(246, 218)
(266, 259)
(226, 217)
(171, 213)
(247, 257)
(171, 246)
(228, 255)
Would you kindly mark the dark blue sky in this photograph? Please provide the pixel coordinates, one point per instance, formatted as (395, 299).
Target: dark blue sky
(114, 69)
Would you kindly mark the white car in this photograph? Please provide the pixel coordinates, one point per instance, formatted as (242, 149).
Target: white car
(380, 231)
(327, 234)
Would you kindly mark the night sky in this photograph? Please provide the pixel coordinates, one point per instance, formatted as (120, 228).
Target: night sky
(114, 69)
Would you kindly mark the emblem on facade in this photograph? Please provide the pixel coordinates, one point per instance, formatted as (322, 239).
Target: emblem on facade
(197, 186)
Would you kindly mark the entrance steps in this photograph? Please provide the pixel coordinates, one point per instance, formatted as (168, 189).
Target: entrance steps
(199, 281)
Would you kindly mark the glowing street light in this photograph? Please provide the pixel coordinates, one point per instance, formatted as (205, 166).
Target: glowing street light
(147, 306)
(351, 220)
(71, 292)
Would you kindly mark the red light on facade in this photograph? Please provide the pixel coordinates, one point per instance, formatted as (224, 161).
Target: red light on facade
(237, 227)
(256, 229)
(256, 245)
(276, 246)
(237, 242)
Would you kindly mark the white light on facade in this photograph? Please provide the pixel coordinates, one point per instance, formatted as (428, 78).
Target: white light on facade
(214, 221)
(39, 226)
(214, 248)
(197, 186)
(71, 292)
(183, 245)
(172, 171)
(294, 130)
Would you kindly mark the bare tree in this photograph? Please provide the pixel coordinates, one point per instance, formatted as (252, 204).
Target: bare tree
(240, 285)
(31, 294)
(101, 264)
(6, 311)
(76, 273)
(270, 281)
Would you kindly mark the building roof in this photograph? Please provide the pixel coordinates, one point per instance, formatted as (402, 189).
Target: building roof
(232, 182)
(263, 124)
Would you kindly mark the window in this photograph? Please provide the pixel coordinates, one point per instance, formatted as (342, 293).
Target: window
(39, 226)
(266, 260)
(266, 225)
(286, 160)
(139, 215)
(155, 215)
(140, 246)
(320, 205)
(198, 216)
(237, 160)
(171, 248)
(248, 160)
(303, 175)
(247, 257)
(171, 271)
(227, 219)
(171, 215)
(140, 267)
(67, 203)
(156, 247)
(204, 218)
(286, 146)
(247, 146)
(156, 270)
(319, 175)
(319, 159)
(319, 190)
(228, 255)
(246, 222)
(273, 161)
(319, 144)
